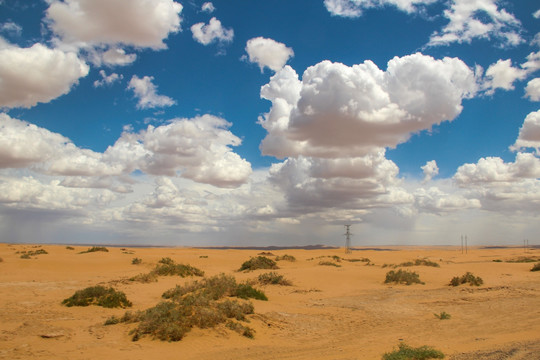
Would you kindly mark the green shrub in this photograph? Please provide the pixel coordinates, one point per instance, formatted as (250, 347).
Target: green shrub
(273, 278)
(145, 278)
(28, 254)
(406, 352)
(259, 262)
(402, 277)
(536, 267)
(443, 316)
(197, 304)
(329, 263)
(98, 295)
(95, 249)
(286, 258)
(136, 261)
(246, 291)
(467, 278)
(241, 329)
(167, 267)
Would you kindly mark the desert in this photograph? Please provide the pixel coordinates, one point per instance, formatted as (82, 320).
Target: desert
(337, 305)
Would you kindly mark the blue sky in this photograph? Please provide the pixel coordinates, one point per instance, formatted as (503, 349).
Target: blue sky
(269, 122)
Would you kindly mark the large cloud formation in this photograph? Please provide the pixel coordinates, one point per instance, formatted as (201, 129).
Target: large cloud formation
(333, 127)
(196, 149)
(37, 74)
(337, 110)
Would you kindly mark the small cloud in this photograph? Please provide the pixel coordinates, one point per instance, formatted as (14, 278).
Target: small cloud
(268, 53)
(502, 75)
(208, 7)
(532, 91)
(213, 31)
(146, 92)
(430, 170)
(107, 79)
(536, 14)
(11, 28)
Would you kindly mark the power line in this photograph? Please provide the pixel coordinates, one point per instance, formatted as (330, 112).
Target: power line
(348, 239)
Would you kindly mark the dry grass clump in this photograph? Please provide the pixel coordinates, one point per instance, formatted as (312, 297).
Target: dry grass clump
(29, 254)
(167, 267)
(417, 262)
(286, 258)
(145, 278)
(136, 261)
(467, 278)
(536, 266)
(443, 316)
(366, 260)
(204, 304)
(405, 352)
(273, 278)
(100, 296)
(402, 277)
(329, 263)
(95, 249)
(259, 262)
(524, 259)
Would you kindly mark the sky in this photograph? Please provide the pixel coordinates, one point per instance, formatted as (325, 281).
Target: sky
(195, 123)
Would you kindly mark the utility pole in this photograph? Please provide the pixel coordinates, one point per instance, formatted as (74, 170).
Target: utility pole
(348, 239)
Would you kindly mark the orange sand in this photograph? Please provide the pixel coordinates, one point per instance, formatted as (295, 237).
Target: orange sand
(328, 313)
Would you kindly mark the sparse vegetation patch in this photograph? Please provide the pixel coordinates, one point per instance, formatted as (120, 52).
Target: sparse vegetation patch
(406, 352)
(443, 315)
(273, 278)
(167, 267)
(203, 304)
(259, 262)
(95, 249)
(29, 254)
(329, 263)
(286, 258)
(536, 266)
(402, 277)
(100, 296)
(524, 259)
(466, 278)
(417, 262)
(136, 261)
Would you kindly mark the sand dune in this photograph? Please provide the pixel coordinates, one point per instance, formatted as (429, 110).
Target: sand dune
(329, 312)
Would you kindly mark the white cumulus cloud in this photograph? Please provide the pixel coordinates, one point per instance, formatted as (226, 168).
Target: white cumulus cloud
(532, 91)
(139, 23)
(478, 19)
(337, 110)
(107, 79)
(502, 75)
(354, 8)
(213, 31)
(208, 7)
(430, 170)
(37, 74)
(529, 134)
(268, 53)
(146, 93)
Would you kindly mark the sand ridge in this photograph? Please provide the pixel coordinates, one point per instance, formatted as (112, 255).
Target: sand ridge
(330, 312)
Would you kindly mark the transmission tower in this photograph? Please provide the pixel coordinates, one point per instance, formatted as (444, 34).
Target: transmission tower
(348, 239)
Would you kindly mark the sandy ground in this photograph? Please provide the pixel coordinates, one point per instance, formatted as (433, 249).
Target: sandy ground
(330, 312)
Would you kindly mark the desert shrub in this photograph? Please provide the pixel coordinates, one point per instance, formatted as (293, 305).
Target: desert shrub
(405, 352)
(524, 259)
(95, 249)
(443, 316)
(241, 329)
(273, 278)
(197, 304)
(203, 257)
(136, 261)
(70, 248)
(246, 291)
(286, 258)
(266, 253)
(329, 263)
(402, 277)
(467, 278)
(259, 262)
(234, 309)
(144, 278)
(536, 266)
(497, 260)
(1, 260)
(167, 267)
(98, 295)
(366, 260)
(29, 254)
